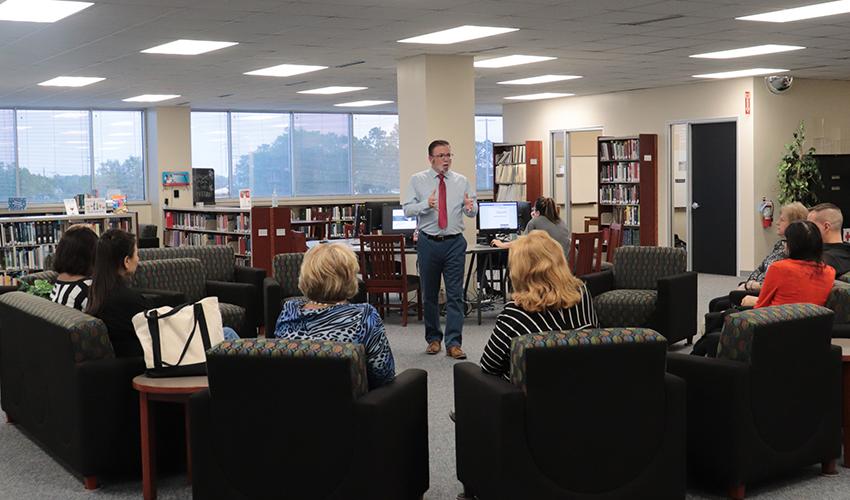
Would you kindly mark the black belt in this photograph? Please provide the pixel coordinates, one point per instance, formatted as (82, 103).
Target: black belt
(441, 238)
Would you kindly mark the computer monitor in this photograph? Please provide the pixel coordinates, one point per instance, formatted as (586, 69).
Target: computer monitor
(523, 213)
(373, 212)
(497, 217)
(395, 222)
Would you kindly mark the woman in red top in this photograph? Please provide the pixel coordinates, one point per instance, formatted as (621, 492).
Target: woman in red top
(802, 277)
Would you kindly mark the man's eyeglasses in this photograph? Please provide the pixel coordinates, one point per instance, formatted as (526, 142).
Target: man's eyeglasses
(444, 156)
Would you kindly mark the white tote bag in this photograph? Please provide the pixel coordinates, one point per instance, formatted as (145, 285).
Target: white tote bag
(175, 339)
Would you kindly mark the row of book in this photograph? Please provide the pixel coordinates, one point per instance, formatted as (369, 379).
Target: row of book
(619, 194)
(241, 245)
(25, 259)
(343, 213)
(510, 174)
(30, 233)
(240, 222)
(339, 213)
(627, 216)
(511, 192)
(627, 149)
(620, 172)
(631, 236)
(511, 155)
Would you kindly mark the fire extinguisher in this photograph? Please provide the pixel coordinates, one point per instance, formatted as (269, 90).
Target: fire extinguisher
(766, 211)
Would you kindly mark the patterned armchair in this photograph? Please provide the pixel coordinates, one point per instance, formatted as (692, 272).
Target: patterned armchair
(185, 279)
(315, 394)
(647, 287)
(839, 302)
(281, 287)
(771, 400)
(588, 414)
(222, 274)
(61, 383)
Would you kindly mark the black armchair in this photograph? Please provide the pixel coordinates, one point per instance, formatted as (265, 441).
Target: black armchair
(281, 287)
(587, 415)
(647, 287)
(225, 279)
(330, 438)
(769, 403)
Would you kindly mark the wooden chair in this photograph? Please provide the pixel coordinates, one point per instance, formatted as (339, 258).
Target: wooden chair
(347, 230)
(585, 255)
(613, 236)
(294, 242)
(590, 221)
(384, 271)
(319, 231)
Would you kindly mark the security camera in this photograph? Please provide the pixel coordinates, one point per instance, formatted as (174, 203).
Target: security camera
(778, 84)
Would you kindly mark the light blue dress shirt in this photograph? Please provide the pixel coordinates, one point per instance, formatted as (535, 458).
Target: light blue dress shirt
(420, 188)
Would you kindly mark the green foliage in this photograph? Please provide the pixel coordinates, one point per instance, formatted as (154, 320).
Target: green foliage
(798, 172)
(39, 288)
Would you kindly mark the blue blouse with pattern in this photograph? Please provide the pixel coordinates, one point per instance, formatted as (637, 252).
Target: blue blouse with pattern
(354, 323)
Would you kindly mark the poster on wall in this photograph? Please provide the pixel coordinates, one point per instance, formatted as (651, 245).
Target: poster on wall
(17, 203)
(175, 179)
(203, 186)
(244, 198)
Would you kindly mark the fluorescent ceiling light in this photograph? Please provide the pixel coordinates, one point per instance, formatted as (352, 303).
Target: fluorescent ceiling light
(800, 13)
(188, 47)
(362, 104)
(39, 11)
(151, 98)
(459, 34)
(286, 70)
(515, 60)
(534, 80)
(71, 81)
(757, 50)
(741, 73)
(535, 97)
(332, 90)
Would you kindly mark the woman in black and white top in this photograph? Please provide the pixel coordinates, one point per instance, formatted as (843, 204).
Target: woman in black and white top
(546, 297)
(74, 263)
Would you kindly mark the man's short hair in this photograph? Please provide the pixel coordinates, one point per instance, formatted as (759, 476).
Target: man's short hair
(437, 143)
(828, 212)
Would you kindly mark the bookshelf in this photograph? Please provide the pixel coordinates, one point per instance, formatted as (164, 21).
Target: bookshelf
(628, 186)
(517, 171)
(209, 226)
(26, 242)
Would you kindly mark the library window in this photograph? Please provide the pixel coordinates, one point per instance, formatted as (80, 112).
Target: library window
(488, 131)
(260, 156)
(321, 154)
(210, 148)
(50, 155)
(374, 155)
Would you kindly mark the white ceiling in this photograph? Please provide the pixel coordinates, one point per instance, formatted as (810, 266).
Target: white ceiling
(615, 44)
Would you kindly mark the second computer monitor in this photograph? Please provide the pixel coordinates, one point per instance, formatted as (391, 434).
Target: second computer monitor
(498, 217)
(395, 222)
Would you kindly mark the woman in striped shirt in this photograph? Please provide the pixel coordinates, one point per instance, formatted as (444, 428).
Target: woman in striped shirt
(546, 297)
(74, 263)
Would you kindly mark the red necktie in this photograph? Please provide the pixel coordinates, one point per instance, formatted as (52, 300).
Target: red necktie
(443, 218)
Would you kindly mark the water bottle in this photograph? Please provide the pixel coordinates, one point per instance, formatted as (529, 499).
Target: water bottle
(274, 198)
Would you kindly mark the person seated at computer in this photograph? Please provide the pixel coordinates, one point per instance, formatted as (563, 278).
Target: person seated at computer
(329, 280)
(789, 213)
(829, 220)
(74, 262)
(545, 216)
(546, 297)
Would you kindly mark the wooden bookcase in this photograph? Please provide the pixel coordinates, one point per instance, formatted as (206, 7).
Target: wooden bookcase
(26, 242)
(209, 226)
(628, 186)
(517, 171)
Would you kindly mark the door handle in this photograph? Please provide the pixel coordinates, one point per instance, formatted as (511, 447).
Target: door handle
(694, 205)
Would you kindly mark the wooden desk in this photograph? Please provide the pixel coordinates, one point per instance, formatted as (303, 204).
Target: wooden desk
(844, 344)
(175, 390)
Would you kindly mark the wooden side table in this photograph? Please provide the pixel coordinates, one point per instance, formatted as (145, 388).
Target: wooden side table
(844, 344)
(175, 390)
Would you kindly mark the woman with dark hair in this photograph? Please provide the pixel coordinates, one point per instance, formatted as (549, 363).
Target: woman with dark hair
(802, 277)
(546, 217)
(74, 261)
(110, 297)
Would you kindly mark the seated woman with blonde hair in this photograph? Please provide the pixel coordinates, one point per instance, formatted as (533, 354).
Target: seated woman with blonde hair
(546, 297)
(328, 280)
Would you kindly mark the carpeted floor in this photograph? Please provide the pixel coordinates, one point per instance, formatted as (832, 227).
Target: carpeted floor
(28, 473)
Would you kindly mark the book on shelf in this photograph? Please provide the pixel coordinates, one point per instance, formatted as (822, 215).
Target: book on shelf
(619, 149)
(621, 172)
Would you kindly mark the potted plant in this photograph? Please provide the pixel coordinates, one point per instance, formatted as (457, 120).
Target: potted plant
(798, 172)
